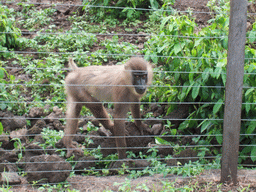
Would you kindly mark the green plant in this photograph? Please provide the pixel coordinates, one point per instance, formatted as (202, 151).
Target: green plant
(51, 137)
(129, 12)
(19, 147)
(57, 187)
(195, 71)
(9, 33)
(34, 19)
(125, 186)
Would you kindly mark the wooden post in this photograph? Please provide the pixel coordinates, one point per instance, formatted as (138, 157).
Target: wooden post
(233, 91)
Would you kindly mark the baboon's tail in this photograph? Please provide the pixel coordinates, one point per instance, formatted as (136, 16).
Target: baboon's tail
(72, 64)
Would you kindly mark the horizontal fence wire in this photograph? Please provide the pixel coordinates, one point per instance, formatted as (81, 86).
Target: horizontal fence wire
(91, 85)
(154, 71)
(110, 7)
(114, 7)
(142, 102)
(120, 119)
(140, 136)
(38, 33)
(124, 55)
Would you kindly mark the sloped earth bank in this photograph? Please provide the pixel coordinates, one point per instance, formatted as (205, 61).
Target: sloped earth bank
(207, 181)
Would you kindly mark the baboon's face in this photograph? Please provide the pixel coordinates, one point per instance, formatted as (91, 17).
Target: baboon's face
(140, 79)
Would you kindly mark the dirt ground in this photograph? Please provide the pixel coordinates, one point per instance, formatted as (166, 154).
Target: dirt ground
(207, 181)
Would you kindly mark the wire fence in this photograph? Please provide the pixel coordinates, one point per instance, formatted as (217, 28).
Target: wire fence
(144, 152)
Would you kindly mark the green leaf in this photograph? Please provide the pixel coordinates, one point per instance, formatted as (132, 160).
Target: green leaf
(198, 41)
(164, 21)
(253, 154)
(183, 125)
(247, 149)
(195, 90)
(177, 48)
(224, 78)
(154, 4)
(1, 73)
(171, 27)
(247, 107)
(173, 131)
(251, 36)
(225, 43)
(206, 73)
(162, 141)
(219, 138)
(206, 125)
(193, 52)
(1, 128)
(217, 71)
(251, 127)
(249, 91)
(217, 106)
(154, 58)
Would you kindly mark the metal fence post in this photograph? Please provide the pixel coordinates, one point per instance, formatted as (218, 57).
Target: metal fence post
(233, 91)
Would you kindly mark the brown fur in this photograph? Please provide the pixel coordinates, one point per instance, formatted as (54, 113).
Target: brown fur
(104, 83)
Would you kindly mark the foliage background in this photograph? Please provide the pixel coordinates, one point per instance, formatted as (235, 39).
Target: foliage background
(190, 62)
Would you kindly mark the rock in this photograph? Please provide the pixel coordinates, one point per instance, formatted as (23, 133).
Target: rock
(134, 144)
(157, 110)
(55, 115)
(19, 134)
(104, 132)
(181, 112)
(95, 122)
(156, 129)
(8, 171)
(38, 139)
(37, 128)
(36, 112)
(57, 110)
(23, 77)
(163, 150)
(8, 156)
(47, 169)
(47, 109)
(108, 146)
(79, 138)
(152, 121)
(184, 157)
(130, 164)
(248, 26)
(85, 163)
(13, 122)
(30, 151)
(10, 178)
(33, 150)
(82, 123)
(4, 139)
(58, 125)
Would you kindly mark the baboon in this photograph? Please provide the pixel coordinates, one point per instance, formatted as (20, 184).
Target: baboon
(117, 83)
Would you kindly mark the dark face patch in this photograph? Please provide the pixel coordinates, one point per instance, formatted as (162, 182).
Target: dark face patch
(140, 79)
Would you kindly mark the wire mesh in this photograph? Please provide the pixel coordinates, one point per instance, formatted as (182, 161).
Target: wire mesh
(17, 140)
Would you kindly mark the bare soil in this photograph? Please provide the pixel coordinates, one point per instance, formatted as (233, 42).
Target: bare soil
(207, 181)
